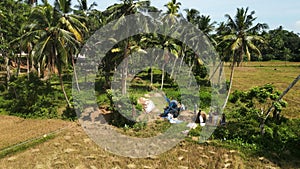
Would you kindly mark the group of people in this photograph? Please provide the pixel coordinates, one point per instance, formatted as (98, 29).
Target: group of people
(174, 108)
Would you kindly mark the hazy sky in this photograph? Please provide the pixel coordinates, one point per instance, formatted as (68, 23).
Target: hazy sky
(272, 12)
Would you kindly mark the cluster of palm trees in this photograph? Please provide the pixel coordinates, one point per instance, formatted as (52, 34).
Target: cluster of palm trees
(52, 36)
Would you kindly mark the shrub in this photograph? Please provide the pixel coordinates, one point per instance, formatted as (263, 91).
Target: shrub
(31, 98)
(243, 121)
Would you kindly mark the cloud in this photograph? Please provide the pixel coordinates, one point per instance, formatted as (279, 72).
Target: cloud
(297, 26)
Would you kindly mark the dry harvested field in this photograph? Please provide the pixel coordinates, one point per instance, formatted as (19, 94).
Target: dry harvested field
(15, 130)
(73, 149)
(277, 73)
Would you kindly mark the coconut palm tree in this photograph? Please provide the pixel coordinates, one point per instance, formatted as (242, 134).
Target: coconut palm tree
(119, 11)
(172, 11)
(170, 17)
(241, 39)
(55, 38)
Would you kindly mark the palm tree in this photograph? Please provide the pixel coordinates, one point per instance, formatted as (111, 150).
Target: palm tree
(118, 11)
(82, 6)
(205, 25)
(169, 46)
(55, 38)
(192, 15)
(172, 11)
(74, 24)
(201, 21)
(241, 39)
(127, 7)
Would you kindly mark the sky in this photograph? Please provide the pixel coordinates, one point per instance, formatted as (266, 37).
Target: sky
(273, 12)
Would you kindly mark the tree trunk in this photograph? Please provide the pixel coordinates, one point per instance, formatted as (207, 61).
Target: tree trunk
(220, 72)
(32, 62)
(230, 85)
(18, 64)
(7, 69)
(28, 65)
(219, 65)
(162, 76)
(173, 67)
(75, 74)
(125, 70)
(190, 72)
(39, 69)
(151, 75)
(63, 88)
(279, 98)
(124, 76)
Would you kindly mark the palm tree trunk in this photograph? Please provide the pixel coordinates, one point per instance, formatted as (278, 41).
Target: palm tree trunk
(7, 68)
(151, 75)
(190, 73)
(28, 65)
(63, 88)
(173, 67)
(219, 66)
(220, 72)
(18, 64)
(162, 76)
(230, 85)
(32, 62)
(75, 74)
(39, 69)
(124, 74)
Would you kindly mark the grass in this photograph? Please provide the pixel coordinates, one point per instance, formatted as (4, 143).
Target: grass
(73, 149)
(15, 130)
(25, 145)
(276, 73)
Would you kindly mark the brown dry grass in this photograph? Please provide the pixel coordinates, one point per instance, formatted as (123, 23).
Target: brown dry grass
(73, 149)
(260, 73)
(15, 130)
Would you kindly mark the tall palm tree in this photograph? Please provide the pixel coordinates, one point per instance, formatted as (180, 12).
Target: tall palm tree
(82, 6)
(118, 11)
(126, 7)
(54, 40)
(169, 46)
(192, 15)
(206, 25)
(202, 22)
(241, 39)
(172, 10)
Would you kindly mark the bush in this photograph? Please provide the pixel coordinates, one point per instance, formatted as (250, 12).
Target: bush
(31, 98)
(243, 121)
(268, 57)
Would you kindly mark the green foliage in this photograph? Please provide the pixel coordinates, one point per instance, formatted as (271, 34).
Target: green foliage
(31, 98)
(25, 145)
(242, 128)
(195, 132)
(139, 107)
(139, 126)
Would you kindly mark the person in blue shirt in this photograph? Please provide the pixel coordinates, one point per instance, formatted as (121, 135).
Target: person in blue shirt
(171, 108)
